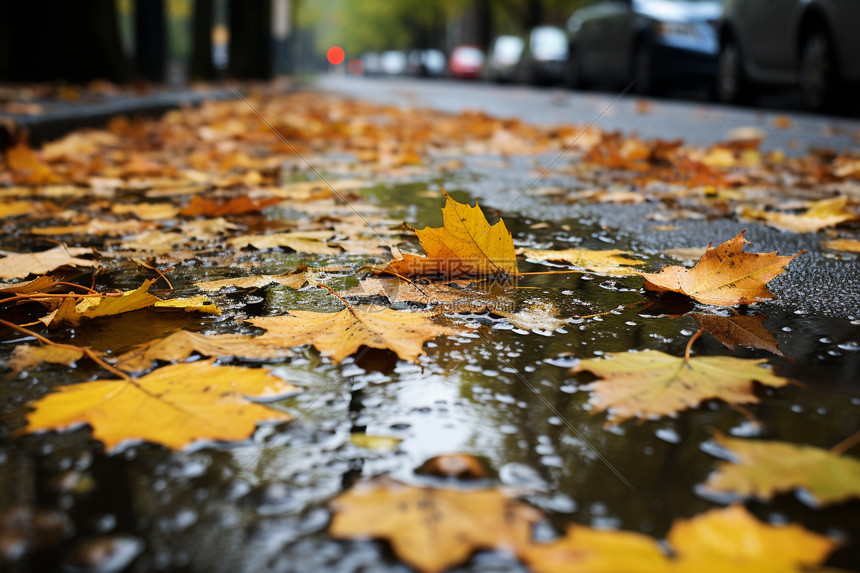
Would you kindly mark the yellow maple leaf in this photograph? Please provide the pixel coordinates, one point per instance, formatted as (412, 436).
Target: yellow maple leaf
(821, 214)
(172, 406)
(340, 334)
(182, 344)
(724, 276)
(466, 245)
(432, 529)
(716, 541)
(764, 468)
(94, 307)
(652, 383)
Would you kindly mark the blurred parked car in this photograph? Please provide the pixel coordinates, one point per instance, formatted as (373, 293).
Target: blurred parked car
(814, 44)
(466, 62)
(504, 56)
(392, 63)
(426, 63)
(545, 56)
(371, 63)
(656, 42)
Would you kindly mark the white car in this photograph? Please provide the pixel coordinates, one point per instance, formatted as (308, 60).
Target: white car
(813, 44)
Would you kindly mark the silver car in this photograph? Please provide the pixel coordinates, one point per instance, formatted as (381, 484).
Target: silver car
(813, 44)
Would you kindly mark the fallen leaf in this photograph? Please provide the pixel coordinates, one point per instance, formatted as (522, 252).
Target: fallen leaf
(340, 334)
(27, 167)
(310, 242)
(652, 384)
(233, 206)
(611, 262)
(747, 331)
(763, 469)
(28, 357)
(783, 122)
(173, 406)
(539, 317)
(294, 279)
(822, 214)
(146, 211)
(19, 265)
(97, 227)
(719, 540)
(381, 443)
(94, 307)
(724, 276)
(182, 344)
(432, 529)
(848, 245)
(466, 245)
(397, 291)
(37, 285)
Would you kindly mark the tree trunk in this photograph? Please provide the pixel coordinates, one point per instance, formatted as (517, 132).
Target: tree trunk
(250, 41)
(149, 41)
(202, 67)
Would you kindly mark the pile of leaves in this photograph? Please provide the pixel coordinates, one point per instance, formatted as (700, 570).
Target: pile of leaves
(85, 216)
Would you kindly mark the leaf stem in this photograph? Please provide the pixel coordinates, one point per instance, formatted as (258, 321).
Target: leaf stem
(846, 444)
(343, 300)
(86, 351)
(401, 277)
(693, 339)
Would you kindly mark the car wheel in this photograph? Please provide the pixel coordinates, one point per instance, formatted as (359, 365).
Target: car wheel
(573, 77)
(732, 85)
(819, 81)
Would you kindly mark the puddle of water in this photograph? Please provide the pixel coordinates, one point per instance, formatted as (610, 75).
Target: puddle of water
(500, 393)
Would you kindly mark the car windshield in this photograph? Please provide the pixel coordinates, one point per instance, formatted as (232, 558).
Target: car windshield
(549, 43)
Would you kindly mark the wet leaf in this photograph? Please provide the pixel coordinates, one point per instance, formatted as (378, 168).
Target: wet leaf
(310, 242)
(27, 167)
(173, 406)
(19, 265)
(233, 206)
(96, 227)
(848, 245)
(612, 262)
(432, 529)
(822, 214)
(368, 442)
(724, 276)
(466, 245)
(540, 317)
(294, 279)
(716, 541)
(75, 312)
(182, 344)
(37, 285)
(652, 384)
(339, 334)
(763, 469)
(741, 330)
(28, 357)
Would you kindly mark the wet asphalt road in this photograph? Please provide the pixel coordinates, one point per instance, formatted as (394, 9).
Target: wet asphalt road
(694, 119)
(818, 283)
